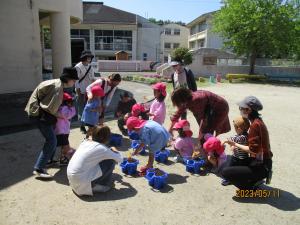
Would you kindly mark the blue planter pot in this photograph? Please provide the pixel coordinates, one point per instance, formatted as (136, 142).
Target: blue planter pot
(193, 166)
(162, 156)
(129, 168)
(156, 181)
(115, 140)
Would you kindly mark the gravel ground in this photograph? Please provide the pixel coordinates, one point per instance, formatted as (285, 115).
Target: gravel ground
(187, 199)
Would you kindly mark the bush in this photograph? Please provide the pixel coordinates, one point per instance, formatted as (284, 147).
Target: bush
(202, 79)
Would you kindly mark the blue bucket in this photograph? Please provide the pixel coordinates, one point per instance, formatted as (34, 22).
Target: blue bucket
(156, 181)
(162, 156)
(129, 168)
(194, 165)
(133, 135)
(115, 140)
(135, 144)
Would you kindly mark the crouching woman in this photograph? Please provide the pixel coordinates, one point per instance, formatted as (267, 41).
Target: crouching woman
(90, 169)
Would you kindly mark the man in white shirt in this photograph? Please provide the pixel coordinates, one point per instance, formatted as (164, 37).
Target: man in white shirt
(86, 76)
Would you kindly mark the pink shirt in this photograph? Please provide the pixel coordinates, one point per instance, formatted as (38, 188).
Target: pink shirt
(159, 110)
(185, 146)
(64, 114)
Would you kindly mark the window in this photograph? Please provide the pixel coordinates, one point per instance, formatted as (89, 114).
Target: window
(176, 31)
(167, 45)
(209, 60)
(166, 59)
(176, 45)
(145, 56)
(167, 31)
(113, 40)
(81, 33)
(202, 26)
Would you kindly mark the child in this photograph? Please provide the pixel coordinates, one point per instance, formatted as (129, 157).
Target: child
(124, 107)
(183, 144)
(151, 134)
(92, 109)
(62, 128)
(215, 151)
(138, 110)
(158, 107)
(239, 157)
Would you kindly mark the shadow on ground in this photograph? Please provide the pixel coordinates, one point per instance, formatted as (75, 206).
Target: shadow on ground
(126, 191)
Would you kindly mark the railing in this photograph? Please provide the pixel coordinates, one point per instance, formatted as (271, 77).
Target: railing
(113, 46)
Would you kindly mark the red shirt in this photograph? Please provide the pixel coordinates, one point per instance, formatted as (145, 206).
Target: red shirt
(202, 101)
(258, 139)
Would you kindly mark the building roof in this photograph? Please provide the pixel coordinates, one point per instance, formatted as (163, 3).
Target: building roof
(97, 12)
(200, 19)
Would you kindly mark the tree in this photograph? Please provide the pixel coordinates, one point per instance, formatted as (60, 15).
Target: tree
(182, 54)
(265, 28)
(161, 22)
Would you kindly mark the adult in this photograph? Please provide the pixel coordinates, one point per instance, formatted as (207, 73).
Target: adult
(90, 169)
(182, 77)
(260, 163)
(109, 86)
(209, 109)
(42, 107)
(86, 76)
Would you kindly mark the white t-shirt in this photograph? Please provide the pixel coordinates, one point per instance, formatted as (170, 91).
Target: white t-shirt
(89, 78)
(84, 166)
(180, 79)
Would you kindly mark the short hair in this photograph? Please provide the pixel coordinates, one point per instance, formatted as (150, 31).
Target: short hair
(242, 123)
(115, 77)
(101, 134)
(181, 95)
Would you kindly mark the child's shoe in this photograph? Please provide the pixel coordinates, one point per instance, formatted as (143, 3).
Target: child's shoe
(225, 182)
(64, 161)
(143, 170)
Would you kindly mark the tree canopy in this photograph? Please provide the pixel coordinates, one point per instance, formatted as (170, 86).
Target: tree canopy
(182, 54)
(260, 28)
(162, 22)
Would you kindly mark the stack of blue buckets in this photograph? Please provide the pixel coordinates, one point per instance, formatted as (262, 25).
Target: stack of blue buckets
(194, 165)
(162, 156)
(155, 181)
(129, 168)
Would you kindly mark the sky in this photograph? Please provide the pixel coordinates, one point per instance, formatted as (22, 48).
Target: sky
(174, 10)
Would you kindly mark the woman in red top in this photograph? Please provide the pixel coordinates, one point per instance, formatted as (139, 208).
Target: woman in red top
(209, 109)
(260, 161)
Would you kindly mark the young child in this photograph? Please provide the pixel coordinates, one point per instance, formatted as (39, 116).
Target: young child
(138, 110)
(215, 153)
(183, 144)
(124, 107)
(158, 107)
(92, 109)
(151, 134)
(239, 157)
(62, 128)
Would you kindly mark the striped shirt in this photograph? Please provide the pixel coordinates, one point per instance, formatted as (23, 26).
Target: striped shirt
(243, 140)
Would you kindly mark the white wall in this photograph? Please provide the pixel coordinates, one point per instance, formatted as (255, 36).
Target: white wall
(20, 47)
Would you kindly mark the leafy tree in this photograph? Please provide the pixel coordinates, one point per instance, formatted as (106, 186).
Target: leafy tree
(265, 28)
(182, 54)
(161, 22)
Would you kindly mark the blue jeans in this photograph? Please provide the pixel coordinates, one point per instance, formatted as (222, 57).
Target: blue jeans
(49, 146)
(107, 166)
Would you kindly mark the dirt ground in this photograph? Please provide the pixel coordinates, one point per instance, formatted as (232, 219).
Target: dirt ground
(187, 199)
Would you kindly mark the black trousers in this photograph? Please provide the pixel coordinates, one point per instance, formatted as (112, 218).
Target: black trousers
(244, 177)
(121, 124)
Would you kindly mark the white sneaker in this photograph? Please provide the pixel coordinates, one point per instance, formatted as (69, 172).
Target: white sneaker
(101, 188)
(42, 173)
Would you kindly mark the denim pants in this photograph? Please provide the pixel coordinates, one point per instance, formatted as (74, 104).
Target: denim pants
(107, 166)
(49, 145)
(81, 102)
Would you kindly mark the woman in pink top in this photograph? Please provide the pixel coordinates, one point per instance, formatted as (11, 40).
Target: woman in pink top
(158, 107)
(62, 128)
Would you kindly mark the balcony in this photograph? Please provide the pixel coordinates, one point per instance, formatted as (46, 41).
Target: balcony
(197, 36)
(113, 46)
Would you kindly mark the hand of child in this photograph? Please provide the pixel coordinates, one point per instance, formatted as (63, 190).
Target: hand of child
(229, 142)
(90, 96)
(114, 149)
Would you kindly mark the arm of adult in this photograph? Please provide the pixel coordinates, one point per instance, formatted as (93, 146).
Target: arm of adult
(109, 97)
(175, 117)
(89, 88)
